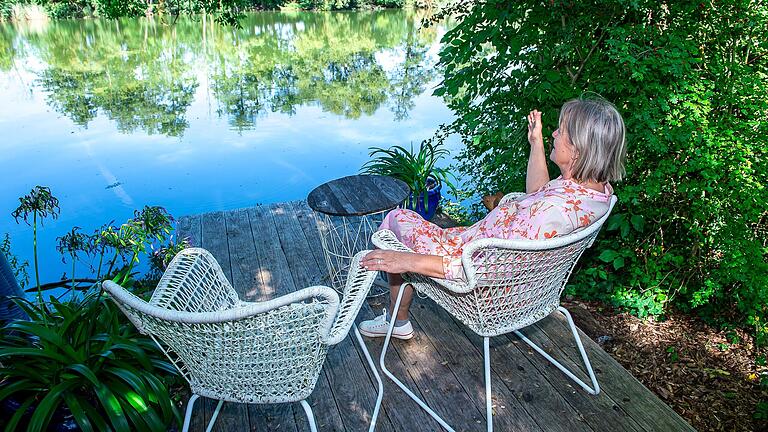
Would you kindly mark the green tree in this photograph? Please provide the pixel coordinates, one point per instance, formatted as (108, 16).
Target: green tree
(690, 80)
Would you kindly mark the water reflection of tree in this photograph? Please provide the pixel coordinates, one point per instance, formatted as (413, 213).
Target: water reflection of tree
(411, 76)
(328, 60)
(137, 81)
(143, 75)
(148, 105)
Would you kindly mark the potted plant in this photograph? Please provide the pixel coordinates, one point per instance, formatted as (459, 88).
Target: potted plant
(417, 170)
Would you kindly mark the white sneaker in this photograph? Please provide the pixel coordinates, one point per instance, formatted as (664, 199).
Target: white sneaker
(379, 326)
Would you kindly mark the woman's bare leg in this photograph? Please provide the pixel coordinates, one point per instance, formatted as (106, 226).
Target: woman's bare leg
(395, 280)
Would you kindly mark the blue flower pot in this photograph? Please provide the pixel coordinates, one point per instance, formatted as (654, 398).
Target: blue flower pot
(416, 203)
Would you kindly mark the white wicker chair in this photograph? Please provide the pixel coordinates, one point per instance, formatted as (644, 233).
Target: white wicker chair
(510, 284)
(231, 350)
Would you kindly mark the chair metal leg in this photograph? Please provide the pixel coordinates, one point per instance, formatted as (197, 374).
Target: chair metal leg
(372, 365)
(488, 400)
(310, 416)
(188, 415)
(595, 389)
(389, 374)
(214, 416)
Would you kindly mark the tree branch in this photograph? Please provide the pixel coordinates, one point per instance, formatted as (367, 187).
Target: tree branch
(60, 284)
(574, 78)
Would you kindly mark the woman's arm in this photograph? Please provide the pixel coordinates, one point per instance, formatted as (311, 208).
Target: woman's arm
(537, 175)
(403, 262)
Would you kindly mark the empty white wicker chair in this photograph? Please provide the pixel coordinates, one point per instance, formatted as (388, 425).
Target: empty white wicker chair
(231, 350)
(510, 284)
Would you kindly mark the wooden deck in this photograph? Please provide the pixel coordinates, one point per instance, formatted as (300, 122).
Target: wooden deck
(270, 250)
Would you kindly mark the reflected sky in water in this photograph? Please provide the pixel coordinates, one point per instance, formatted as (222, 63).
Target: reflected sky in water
(115, 115)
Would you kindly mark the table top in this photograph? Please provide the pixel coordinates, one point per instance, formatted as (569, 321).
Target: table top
(358, 195)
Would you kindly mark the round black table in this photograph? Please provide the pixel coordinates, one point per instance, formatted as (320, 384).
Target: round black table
(348, 211)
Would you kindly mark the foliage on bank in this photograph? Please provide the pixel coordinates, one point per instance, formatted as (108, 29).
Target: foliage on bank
(227, 11)
(691, 80)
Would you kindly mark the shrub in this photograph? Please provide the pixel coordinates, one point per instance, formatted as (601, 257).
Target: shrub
(690, 80)
(85, 356)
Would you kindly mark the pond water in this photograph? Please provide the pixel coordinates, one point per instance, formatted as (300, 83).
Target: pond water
(197, 117)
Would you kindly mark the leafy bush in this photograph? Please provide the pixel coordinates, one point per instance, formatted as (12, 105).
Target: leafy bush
(690, 80)
(84, 355)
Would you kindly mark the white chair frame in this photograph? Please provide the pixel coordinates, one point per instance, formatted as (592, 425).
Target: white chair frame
(245, 352)
(510, 284)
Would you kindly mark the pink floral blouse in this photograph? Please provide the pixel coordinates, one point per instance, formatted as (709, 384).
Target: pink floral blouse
(559, 207)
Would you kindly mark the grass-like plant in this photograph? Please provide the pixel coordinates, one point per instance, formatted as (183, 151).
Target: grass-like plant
(415, 168)
(39, 203)
(71, 244)
(84, 355)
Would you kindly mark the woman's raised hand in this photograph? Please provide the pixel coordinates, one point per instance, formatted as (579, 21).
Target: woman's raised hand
(534, 128)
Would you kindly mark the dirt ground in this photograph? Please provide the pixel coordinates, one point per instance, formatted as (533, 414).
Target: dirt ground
(707, 375)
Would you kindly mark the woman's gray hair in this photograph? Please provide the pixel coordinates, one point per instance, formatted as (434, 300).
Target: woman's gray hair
(596, 129)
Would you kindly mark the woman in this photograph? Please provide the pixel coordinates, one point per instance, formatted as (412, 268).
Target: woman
(589, 150)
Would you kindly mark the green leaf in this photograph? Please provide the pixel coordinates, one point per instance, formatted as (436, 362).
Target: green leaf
(618, 263)
(608, 255)
(624, 229)
(638, 223)
(96, 418)
(78, 413)
(614, 222)
(112, 407)
(86, 372)
(8, 389)
(131, 378)
(45, 409)
(33, 352)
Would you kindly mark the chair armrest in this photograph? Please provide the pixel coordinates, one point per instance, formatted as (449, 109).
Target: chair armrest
(386, 239)
(359, 281)
(194, 282)
(510, 197)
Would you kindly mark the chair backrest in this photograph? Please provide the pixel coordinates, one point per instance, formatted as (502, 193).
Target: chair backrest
(511, 283)
(267, 352)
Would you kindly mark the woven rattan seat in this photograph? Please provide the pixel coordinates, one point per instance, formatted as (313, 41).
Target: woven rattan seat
(237, 351)
(510, 284)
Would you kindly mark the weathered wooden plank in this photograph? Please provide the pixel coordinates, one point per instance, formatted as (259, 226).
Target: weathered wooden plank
(246, 279)
(403, 412)
(398, 413)
(273, 417)
(244, 260)
(440, 387)
(599, 411)
(275, 274)
(190, 227)
(363, 199)
(396, 192)
(625, 390)
(292, 269)
(324, 198)
(304, 268)
(233, 416)
(523, 399)
(344, 368)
